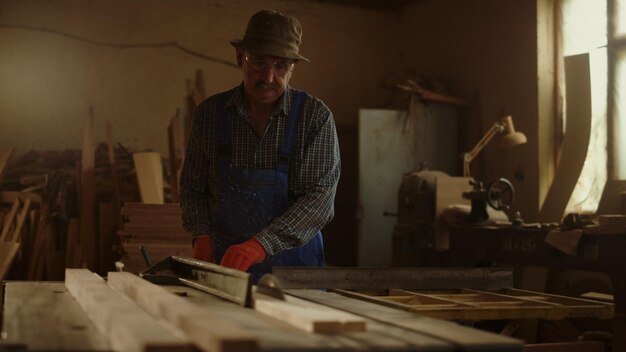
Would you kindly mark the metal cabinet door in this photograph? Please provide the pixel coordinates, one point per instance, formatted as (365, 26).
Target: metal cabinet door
(391, 143)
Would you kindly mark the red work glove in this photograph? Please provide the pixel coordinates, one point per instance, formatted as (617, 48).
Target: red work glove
(243, 256)
(203, 249)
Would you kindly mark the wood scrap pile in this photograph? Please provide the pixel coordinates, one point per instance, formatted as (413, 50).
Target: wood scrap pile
(398, 89)
(40, 212)
(156, 226)
(72, 202)
(37, 189)
(125, 178)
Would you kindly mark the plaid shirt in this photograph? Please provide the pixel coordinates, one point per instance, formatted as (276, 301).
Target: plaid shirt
(313, 171)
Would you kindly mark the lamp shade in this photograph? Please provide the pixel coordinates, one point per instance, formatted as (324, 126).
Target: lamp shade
(510, 137)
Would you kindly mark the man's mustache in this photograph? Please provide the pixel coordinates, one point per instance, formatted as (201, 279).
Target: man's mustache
(264, 85)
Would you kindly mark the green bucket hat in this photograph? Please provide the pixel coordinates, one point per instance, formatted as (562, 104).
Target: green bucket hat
(272, 33)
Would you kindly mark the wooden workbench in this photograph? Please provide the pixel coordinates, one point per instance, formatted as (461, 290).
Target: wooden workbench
(599, 249)
(43, 316)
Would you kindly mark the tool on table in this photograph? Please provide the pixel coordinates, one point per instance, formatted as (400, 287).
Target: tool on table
(498, 196)
(146, 255)
(270, 285)
(230, 284)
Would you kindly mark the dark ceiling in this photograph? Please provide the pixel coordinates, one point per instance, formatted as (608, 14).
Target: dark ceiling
(372, 4)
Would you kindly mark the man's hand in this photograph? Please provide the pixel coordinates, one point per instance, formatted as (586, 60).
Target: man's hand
(203, 249)
(243, 256)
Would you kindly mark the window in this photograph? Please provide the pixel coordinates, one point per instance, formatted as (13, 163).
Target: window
(599, 29)
(584, 28)
(617, 87)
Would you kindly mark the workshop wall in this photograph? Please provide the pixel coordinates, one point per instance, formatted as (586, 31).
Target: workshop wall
(488, 50)
(59, 57)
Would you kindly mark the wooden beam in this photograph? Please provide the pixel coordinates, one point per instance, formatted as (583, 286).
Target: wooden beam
(8, 220)
(149, 170)
(176, 154)
(39, 244)
(17, 232)
(11, 196)
(8, 251)
(128, 327)
(386, 278)
(198, 324)
(576, 141)
(578, 346)
(88, 235)
(5, 156)
(308, 316)
(43, 316)
(111, 152)
(462, 337)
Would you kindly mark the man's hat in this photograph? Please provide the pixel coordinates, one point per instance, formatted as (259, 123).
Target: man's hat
(272, 33)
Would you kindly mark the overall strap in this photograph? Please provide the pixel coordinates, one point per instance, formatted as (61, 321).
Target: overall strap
(296, 111)
(223, 129)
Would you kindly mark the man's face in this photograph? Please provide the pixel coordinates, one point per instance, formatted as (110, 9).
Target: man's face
(264, 77)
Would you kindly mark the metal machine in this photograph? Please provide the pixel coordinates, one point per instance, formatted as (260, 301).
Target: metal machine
(498, 196)
(416, 226)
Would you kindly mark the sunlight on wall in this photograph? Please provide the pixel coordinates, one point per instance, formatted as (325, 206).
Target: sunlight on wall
(584, 31)
(619, 135)
(621, 17)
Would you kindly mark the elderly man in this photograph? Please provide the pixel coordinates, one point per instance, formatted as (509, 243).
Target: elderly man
(262, 162)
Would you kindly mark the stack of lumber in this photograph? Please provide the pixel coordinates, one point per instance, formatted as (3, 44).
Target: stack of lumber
(11, 223)
(156, 226)
(40, 208)
(34, 195)
(124, 179)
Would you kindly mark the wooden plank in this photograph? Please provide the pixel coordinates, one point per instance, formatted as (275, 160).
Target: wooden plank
(88, 235)
(43, 316)
(464, 338)
(134, 262)
(308, 316)
(150, 210)
(11, 196)
(144, 206)
(149, 170)
(38, 243)
(578, 346)
(8, 220)
(576, 140)
(154, 237)
(176, 153)
(575, 307)
(599, 296)
(8, 251)
(5, 157)
(190, 319)
(175, 228)
(128, 327)
(275, 335)
(17, 232)
(384, 278)
(111, 153)
(476, 305)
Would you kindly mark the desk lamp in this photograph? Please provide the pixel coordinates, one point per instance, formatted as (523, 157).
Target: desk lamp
(509, 138)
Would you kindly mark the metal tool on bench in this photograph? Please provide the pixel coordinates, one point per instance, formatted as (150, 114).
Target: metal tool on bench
(498, 196)
(230, 284)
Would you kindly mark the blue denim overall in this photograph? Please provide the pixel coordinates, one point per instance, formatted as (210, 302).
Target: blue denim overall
(249, 199)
